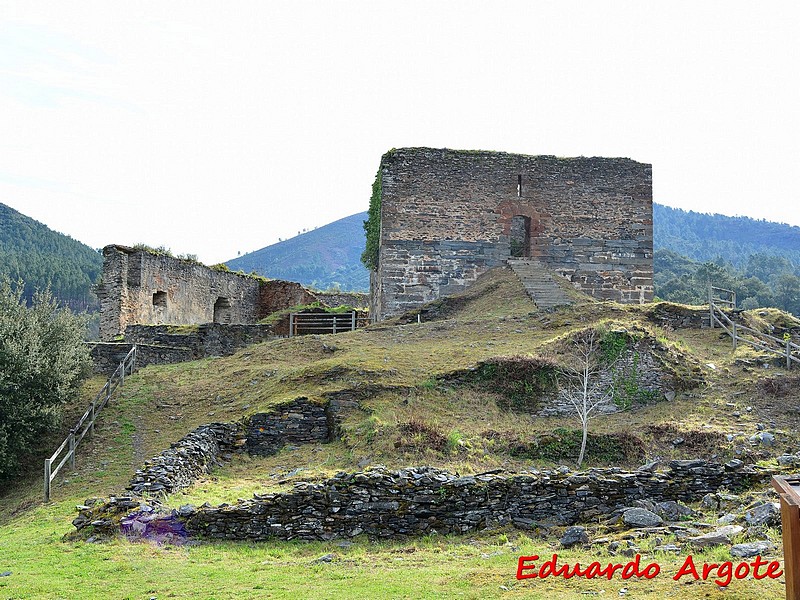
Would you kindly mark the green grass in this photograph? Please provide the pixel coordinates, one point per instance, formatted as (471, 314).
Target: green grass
(478, 566)
(400, 369)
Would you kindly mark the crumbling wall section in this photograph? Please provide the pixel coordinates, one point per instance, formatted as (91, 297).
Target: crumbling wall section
(139, 286)
(275, 295)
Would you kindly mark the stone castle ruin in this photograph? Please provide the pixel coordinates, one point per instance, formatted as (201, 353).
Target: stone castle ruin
(447, 216)
(140, 287)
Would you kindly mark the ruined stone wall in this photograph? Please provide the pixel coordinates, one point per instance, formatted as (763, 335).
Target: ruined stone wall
(106, 356)
(333, 299)
(209, 339)
(276, 295)
(142, 287)
(448, 216)
(418, 501)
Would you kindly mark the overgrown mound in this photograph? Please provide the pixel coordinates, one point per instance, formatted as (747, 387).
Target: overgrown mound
(564, 444)
(495, 293)
(771, 321)
(522, 383)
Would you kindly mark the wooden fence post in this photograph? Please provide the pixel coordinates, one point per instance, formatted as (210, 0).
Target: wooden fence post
(789, 354)
(710, 306)
(353, 321)
(733, 335)
(47, 480)
(72, 449)
(790, 524)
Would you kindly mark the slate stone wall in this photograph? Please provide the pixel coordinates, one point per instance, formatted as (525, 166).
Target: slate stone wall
(298, 422)
(209, 339)
(142, 287)
(158, 344)
(185, 461)
(446, 217)
(106, 356)
(417, 501)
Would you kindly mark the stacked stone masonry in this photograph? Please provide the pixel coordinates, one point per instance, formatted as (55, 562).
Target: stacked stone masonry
(388, 504)
(160, 344)
(263, 434)
(299, 422)
(185, 461)
(448, 216)
(142, 287)
(417, 501)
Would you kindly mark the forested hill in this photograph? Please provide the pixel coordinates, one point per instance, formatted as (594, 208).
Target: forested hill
(42, 258)
(329, 256)
(705, 237)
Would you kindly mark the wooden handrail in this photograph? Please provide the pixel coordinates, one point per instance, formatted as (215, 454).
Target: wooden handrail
(716, 317)
(76, 435)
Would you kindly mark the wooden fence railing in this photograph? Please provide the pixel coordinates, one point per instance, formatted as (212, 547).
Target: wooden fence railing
(86, 422)
(742, 334)
(308, 323)
(788, 489)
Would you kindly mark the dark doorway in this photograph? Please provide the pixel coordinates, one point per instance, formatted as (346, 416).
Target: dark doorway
(222, 310)
(160, 299)
(520, 236)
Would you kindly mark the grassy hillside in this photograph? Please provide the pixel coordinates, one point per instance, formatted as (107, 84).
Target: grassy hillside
(404, 374)
(43, 258)
(325, 257)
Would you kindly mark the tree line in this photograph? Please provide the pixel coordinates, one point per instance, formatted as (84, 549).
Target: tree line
(46, 260)
(763, 280)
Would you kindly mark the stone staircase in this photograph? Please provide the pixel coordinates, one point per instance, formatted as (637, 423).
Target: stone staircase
(540, 284)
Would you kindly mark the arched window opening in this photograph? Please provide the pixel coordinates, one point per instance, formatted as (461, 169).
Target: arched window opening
(222, 310)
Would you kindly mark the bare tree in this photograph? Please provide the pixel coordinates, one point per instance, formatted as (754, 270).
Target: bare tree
(581, 385)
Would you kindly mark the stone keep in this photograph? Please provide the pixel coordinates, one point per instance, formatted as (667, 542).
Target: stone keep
(143, 287)
(447, 216)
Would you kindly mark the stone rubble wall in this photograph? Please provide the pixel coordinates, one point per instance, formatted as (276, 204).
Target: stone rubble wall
(447, 215)
(263, 434)
(677, 316)
(649, 377)
(417, 501)
(158, 345)
(357, 300)
(131, 277)
(208, 339)
(186, 460)
(414, 501)
(106, 356)
(298, 422)
(275, 295)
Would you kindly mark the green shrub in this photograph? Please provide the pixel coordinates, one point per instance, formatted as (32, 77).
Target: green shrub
(372, 226)
(43, 361)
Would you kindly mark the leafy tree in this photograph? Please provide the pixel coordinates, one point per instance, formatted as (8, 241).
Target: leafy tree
(42, 362)
(787, 292)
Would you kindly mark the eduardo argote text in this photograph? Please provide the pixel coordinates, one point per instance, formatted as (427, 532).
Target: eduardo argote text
(722, 574)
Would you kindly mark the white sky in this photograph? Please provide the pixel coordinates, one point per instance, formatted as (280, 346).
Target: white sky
(218, 127)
